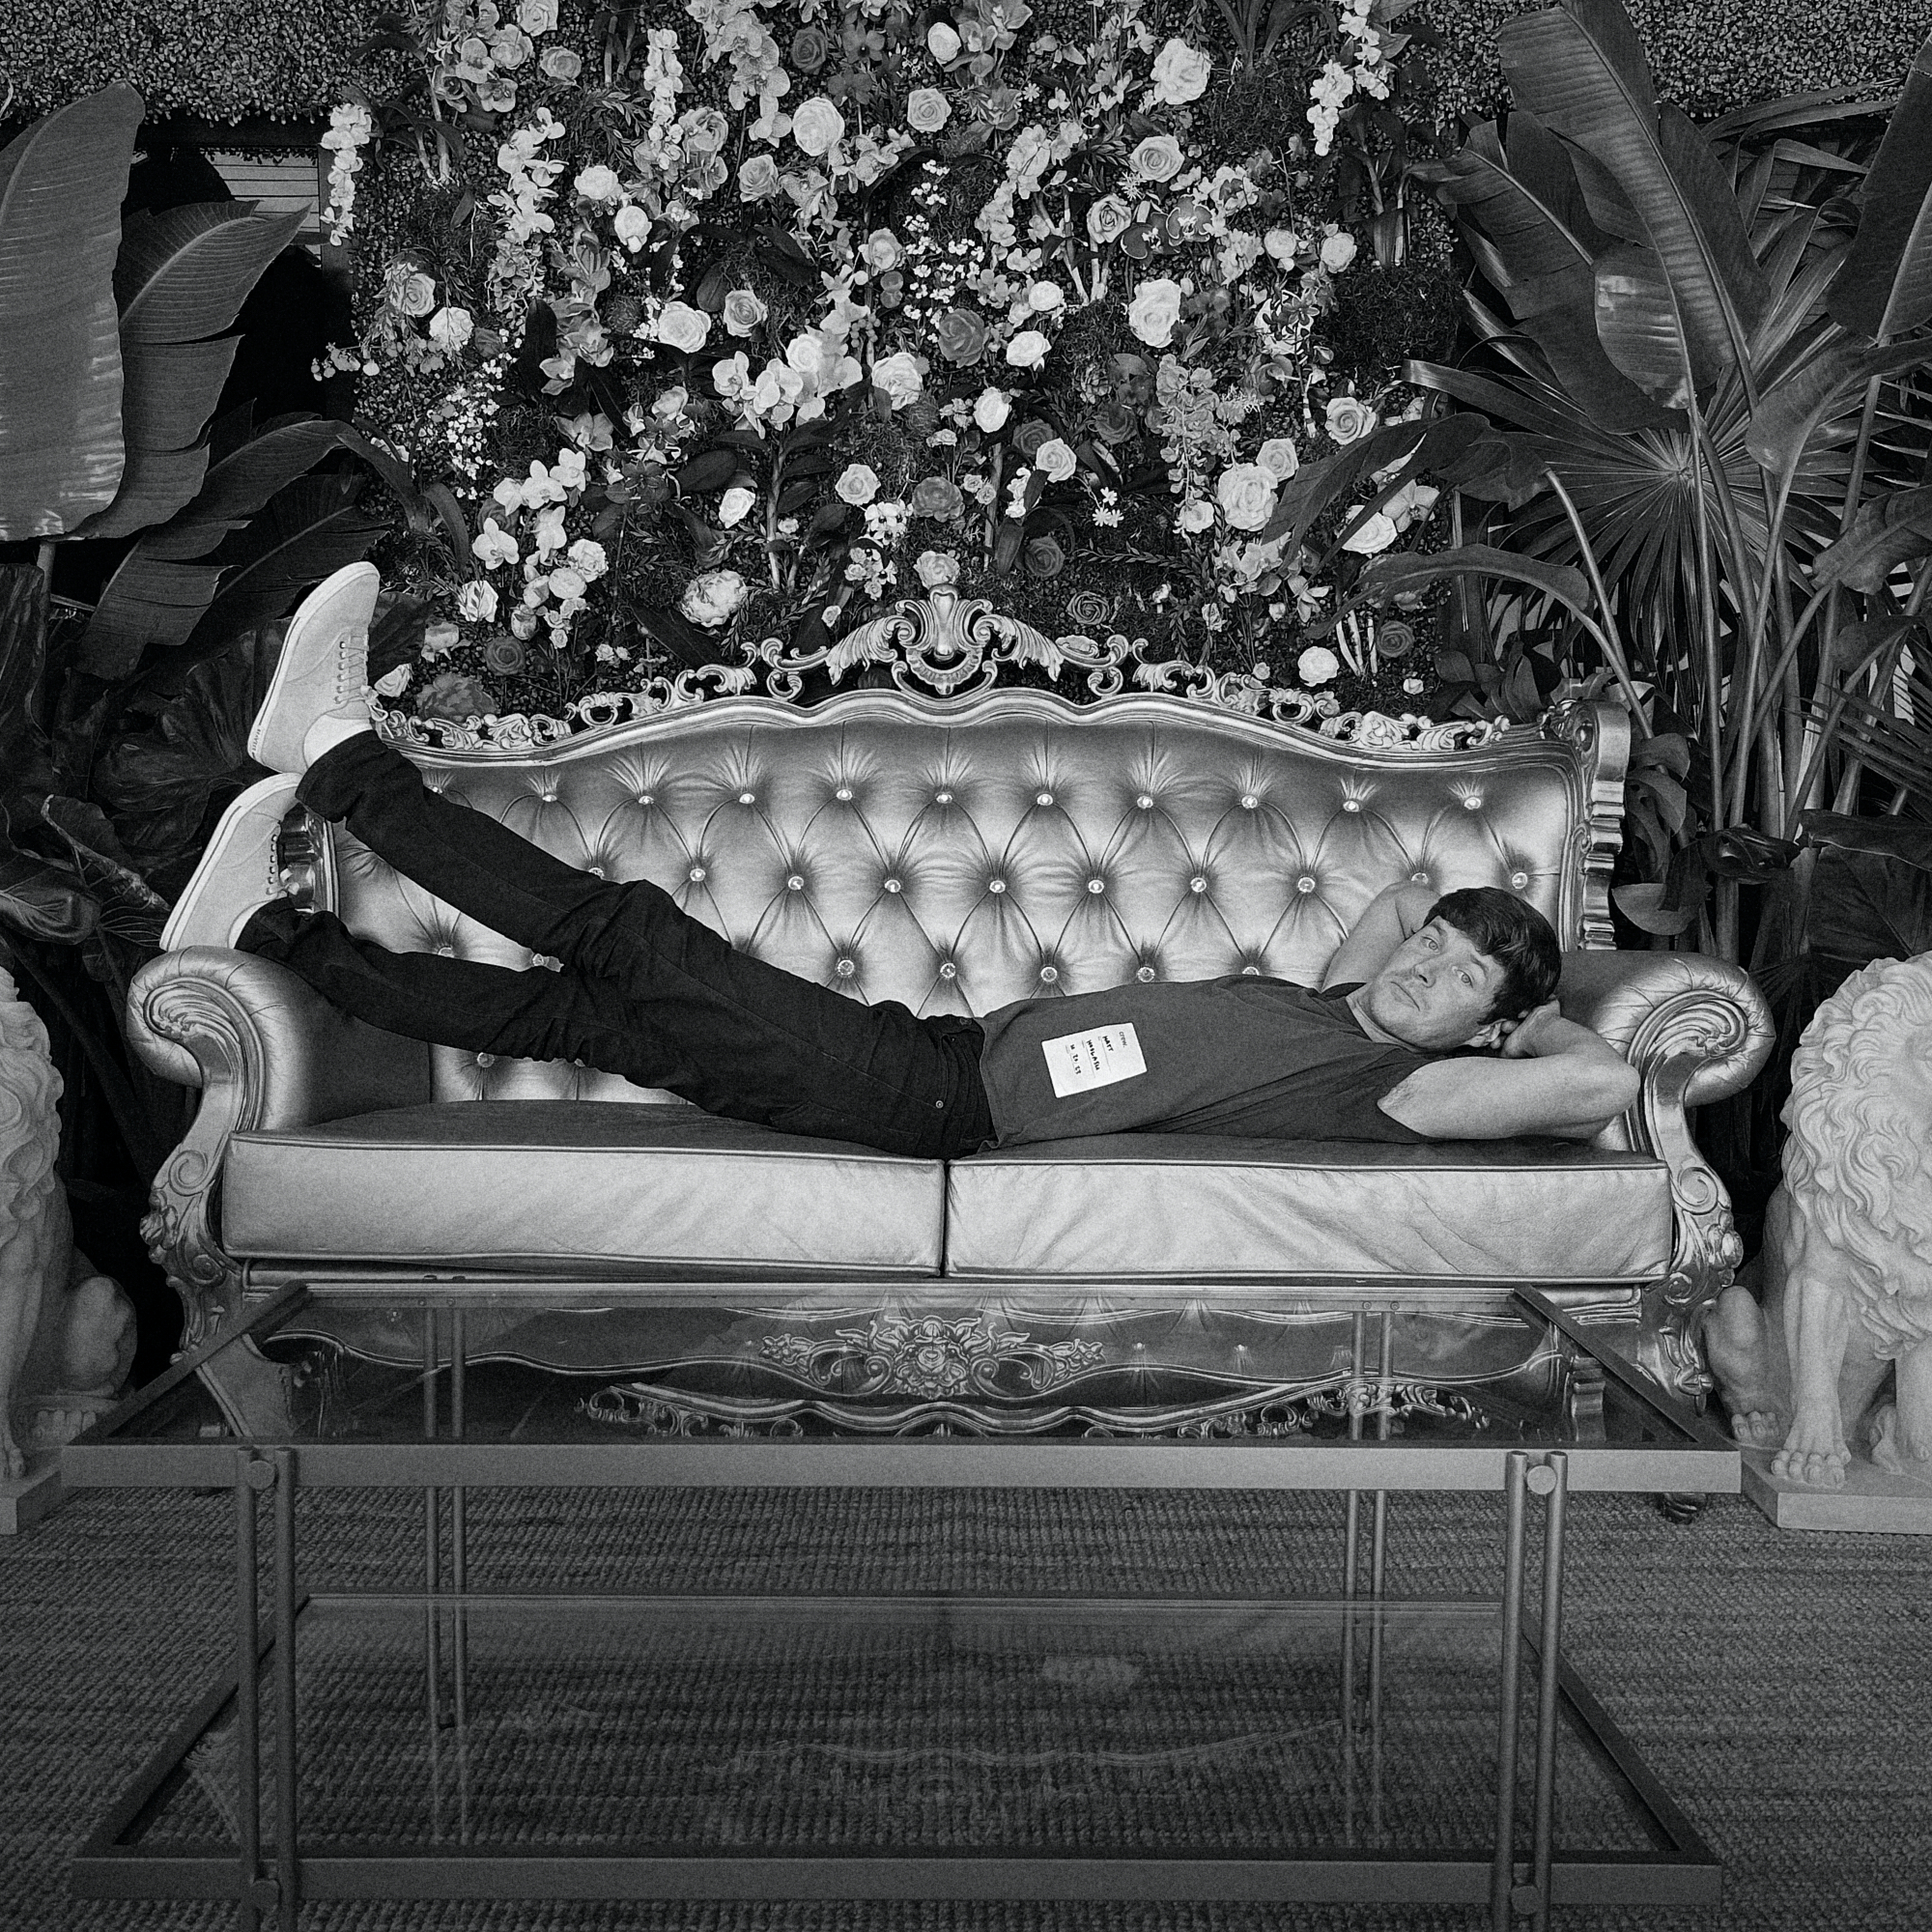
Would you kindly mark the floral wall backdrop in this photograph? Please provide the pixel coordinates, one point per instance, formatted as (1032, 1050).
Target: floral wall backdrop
(702, 323)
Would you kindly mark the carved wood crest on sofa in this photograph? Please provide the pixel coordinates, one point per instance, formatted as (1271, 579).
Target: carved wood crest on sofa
(918, 813)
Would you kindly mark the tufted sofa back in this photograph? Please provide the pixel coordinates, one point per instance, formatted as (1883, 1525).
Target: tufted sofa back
(958, 855)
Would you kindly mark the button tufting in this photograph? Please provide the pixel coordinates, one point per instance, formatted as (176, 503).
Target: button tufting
(1145, 800)
(695, 873)
(996, 885)
(1042, 797)
(1418, 878)
(1518, 880)
(948, 971)
(1304, 885)
(748, 798)
(942, 798)
(894, 885)
(796, 883)
(1143, 973)
(1472, 803)
(486, 1060)
(1197, 884)
(1351, 805)
(548, 797)
(445, 949)
(846, 968)
(647, 798)
(597, 871)
(844, 794)
(1097, 885)
(1050, 974)
(1254, 972)
(1249, 801)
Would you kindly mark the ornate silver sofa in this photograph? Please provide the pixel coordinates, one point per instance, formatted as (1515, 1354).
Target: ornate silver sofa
(951, 838)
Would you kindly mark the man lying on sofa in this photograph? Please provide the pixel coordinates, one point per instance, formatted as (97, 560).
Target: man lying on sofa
(1435, 1019)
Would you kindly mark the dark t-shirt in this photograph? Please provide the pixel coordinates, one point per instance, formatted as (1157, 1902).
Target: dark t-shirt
(1240, 1055)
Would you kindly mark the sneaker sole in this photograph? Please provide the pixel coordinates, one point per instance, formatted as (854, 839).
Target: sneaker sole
(353, 584)
(241, 812)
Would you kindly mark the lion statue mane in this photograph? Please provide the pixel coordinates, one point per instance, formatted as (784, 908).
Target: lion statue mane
(1846, 1269)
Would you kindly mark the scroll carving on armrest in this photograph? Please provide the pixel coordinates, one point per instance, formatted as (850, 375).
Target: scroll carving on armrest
(267, 1050)
(1697, 1030)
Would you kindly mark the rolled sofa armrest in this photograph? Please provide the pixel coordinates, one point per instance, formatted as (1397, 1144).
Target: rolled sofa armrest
(1653, 1007)
(1697, 1030)
(267, 1050)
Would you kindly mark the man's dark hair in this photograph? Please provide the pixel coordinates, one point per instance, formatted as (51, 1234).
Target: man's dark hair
(1514, 935)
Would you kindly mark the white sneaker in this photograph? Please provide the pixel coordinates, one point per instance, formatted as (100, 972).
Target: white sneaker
(324, 667)
(240, 870)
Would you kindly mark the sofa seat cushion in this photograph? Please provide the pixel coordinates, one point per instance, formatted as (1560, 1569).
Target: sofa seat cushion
(1195, 1207)
(601, 1185)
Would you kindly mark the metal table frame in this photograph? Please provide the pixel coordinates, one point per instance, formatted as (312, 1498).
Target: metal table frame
(273, 1882)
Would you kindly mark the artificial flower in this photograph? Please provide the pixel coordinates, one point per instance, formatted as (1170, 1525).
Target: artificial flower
(1281, 244)
(857, 483)
(882, 250)
(817, 125)
(476, 601)
(560, 64)
(1180, 74)
(901, 376)
(1195, 515)
(810, 50)
(450, 330)
(456, 697)
(588, 554)
(1317, 665)
(744, 311)
(1154, 310)
(409, 291)
(934, 567)
(712, 598)
(679, 325)
(961, 335)
(495, 546)
(1157, 159)
(633, 225)
(1372, 535)
(1108, 219)
(938, 498)
(758, 178)
(1043, 558)
(1247, 496)
(1338, 250)
(537, 17)
(992, 409)
(1279, 457)
(942, 42)
(927, 110)
(735, 506)
(1054, 460)
(1348, 418)
(1028, 349)
(598, 183)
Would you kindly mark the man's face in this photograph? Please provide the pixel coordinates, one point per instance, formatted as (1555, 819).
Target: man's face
(1436, 991)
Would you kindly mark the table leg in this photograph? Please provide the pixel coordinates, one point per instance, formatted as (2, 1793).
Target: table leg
(247, 1708)
(431, 1585)
(287, 1870)
(1503, 1870)
(458, 1577)
(1555, 1469)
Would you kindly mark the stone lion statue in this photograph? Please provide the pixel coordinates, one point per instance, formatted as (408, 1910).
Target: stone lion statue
(66, 1333)
(1846, 1268)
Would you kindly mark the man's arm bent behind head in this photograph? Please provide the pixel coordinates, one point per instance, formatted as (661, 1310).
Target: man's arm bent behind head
(1551, 1077)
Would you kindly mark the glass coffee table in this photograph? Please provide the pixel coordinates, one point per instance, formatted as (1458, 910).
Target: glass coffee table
(440, 1740)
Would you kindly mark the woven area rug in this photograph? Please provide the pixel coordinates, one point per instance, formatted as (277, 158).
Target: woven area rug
(1779, 1685)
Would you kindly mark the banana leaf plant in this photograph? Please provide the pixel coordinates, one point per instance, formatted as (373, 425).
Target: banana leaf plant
(1706, 352)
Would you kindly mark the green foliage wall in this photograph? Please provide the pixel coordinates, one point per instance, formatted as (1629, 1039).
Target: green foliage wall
(1709, 56)
(222, 59)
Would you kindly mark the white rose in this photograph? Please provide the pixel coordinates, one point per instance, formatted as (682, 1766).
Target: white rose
(1180, 74)
(935, 567)
(450, 328)
(1055, 461)
(1375, 535)
(633, 225)
(1337, 252)
(1317, 665)
(1028, 349)
(1348, 418)
(941, 41)
(476, 602)
(991, 410)
(537, 17)
(735, 506)
(1196, 517)
(1246, 492)
(1279, 457)
(1281, 243)
(566, 583)
(597, 182)
(712, 598)
(586, 555)
(679, 325)
(857, 483)
(817, 125)
(1044, 298)
(901, 376)
(1154, 310)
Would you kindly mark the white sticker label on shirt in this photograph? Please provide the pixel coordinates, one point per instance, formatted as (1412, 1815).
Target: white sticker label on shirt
(1077, 1062)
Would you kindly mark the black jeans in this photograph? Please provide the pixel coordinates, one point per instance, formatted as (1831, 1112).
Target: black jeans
(646, 991)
